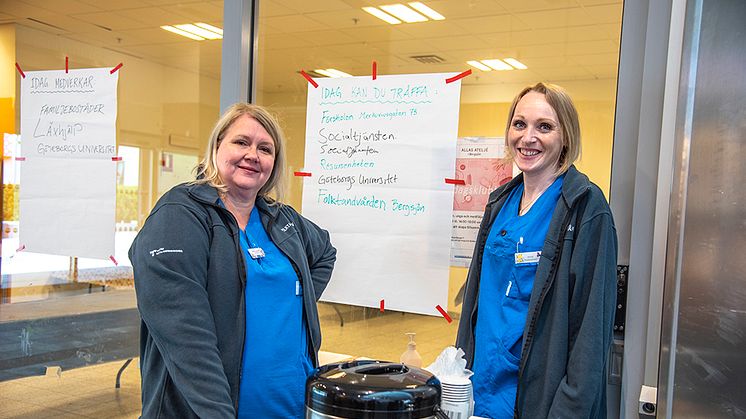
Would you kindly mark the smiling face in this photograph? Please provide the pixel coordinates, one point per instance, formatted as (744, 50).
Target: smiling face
(535, 136)
(245, 157)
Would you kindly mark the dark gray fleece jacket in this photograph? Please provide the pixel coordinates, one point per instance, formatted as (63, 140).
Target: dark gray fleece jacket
(190, 281)
(568, 330)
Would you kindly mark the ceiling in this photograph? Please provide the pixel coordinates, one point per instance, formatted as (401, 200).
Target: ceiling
(559, 40)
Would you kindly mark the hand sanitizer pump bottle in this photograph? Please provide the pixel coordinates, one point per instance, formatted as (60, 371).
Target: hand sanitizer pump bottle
(411, 356)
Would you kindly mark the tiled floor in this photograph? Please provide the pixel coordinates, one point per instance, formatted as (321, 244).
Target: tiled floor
(369, 333)
(89, 392)
(78, 393)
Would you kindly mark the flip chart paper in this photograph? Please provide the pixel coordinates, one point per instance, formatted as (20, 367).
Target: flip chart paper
(68, 180)
(379, 152)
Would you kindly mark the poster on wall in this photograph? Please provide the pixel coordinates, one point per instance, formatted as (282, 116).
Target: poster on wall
(480, 164)
(68, 178)
(378, 153)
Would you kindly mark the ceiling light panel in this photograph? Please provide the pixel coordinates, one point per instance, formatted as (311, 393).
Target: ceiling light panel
(403, 12)
(515, 63)
(196, 30)
(425, 10)
(337, 73)
(478, 65)
(331, 72)
(323, 72)
(382, 15)
(210, 28)
(182, 33)
(496, 64)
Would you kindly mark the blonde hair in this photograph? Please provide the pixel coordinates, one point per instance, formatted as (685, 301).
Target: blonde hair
(207, 170)
(567, 116)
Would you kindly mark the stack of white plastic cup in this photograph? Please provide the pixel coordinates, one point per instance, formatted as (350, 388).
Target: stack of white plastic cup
(456, 397)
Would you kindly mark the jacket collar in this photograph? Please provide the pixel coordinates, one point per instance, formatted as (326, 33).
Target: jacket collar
(263, 205)
(574, 186)
(204, 193)
(207, 194)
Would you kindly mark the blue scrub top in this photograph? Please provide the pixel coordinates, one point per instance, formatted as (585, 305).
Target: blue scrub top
(504, 292)
(276, 362)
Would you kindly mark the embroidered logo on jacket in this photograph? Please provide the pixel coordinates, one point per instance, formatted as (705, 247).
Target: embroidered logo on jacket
(157, 252)
(287, 226)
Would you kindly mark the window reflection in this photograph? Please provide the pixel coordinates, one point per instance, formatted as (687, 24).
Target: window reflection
(571, 43)
(69, 324)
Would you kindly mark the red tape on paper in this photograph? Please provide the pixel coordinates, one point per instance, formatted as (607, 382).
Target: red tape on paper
(310, 80)
(18, 67)
(443, 312)
(302, 174)
(375, 70)
(113, 70)
(455, 181)
(114, 260)
(67, 67)
(382, 304)
(117, 158)
(20, 159)
(458, 76)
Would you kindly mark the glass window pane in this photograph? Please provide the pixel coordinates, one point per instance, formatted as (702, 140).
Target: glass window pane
(571, 43)
(69, 324)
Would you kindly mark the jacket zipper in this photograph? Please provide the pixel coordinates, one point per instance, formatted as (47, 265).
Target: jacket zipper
(482, 244)
(534, 316)
(242, 281)
(537, 308)
(311, 347)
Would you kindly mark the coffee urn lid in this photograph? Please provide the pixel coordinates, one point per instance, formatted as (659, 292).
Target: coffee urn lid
(366, 389)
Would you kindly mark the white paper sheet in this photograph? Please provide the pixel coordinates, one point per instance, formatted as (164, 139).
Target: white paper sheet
(379, 152)
(68, 180)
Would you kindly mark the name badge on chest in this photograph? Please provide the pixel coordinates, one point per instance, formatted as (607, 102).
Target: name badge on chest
(256, 252)
(527, 258)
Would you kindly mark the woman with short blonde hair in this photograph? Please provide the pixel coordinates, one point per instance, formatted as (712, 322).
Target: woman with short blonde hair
(539, 298)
